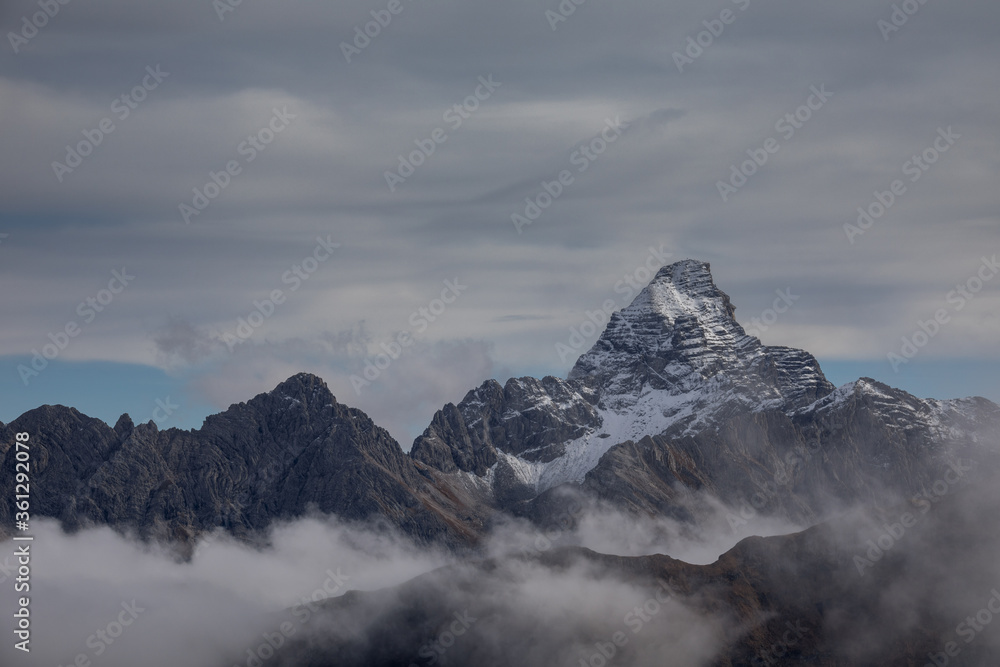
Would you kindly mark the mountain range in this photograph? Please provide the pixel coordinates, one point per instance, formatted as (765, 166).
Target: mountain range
(675, 412)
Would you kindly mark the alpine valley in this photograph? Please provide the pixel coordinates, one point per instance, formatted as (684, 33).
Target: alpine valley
(675, 420)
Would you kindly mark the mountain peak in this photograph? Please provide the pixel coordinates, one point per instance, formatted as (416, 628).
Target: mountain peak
(685, 269)
(681, 318)
(687, 288)
(680, 336)
(299, 383)
(305, 388)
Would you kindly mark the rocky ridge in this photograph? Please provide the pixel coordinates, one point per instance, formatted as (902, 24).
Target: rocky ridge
(674, 401)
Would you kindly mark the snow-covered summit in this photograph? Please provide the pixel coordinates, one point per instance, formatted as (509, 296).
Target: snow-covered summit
(674, 361)
(680, 315)
(680, 336)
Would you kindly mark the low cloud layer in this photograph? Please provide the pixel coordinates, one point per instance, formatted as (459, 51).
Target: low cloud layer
(120, 602)
(117, 602)
(156, 610)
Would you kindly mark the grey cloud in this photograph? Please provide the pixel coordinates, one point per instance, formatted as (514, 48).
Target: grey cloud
(325, 173)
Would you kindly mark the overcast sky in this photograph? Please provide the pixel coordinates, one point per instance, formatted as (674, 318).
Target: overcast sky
(325, 112)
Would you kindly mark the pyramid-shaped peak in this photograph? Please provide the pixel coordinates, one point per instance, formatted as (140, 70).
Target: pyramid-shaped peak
(685, 288)
(680, 336)
(680, 318)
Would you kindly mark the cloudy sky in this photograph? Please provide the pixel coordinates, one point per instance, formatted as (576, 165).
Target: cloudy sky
(365, 171)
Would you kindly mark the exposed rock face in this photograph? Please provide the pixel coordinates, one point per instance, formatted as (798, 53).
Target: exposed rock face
(674, 378)
(673, 398)
(674, 361)
(66, 448)
(279, 455)
(529, 418)
(679, 338)
(865, 443)
(646, 477)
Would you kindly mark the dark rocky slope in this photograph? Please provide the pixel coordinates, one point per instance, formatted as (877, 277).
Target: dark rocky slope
(278, 456)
